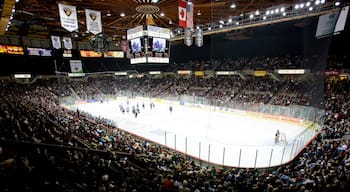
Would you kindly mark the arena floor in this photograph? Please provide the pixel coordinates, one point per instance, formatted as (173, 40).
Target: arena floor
(221, 138)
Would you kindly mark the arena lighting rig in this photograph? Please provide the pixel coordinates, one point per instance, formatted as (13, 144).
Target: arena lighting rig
(100, 43)
(271, 15)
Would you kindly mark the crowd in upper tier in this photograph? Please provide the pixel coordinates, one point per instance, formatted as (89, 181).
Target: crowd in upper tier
(242, 63)
(222, 90)
(45, 147)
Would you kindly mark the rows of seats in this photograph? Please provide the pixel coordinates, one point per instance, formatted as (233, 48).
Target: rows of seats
(243, 63)
(231, 90)
(31, 113)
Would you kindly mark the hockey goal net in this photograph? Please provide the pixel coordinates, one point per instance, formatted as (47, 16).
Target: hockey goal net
(282, 138)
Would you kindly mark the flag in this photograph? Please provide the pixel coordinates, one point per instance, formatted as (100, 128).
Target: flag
(76, 66)
(56, 42)
(68, 17)
(67, 43)
(93, 21)
(182, 13)
(189, 15)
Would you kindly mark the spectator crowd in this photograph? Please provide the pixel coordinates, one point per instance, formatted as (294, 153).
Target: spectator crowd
(45, 147)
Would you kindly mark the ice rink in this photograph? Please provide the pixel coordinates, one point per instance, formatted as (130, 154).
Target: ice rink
(223, 138)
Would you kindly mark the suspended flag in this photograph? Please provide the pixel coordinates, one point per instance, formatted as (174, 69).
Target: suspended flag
(182, 13)
(67, 43)
(189, 15)
(188, 37)
(56, 42)
(93, 21)
(199, 38)
(68, 17)
(76, 66)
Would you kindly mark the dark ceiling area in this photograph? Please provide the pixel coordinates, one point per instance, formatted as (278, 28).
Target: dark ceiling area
(40, 18)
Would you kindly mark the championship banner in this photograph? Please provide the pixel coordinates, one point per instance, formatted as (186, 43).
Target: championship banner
(339, 26)
(68, 17)
(56, 42)
(93, 21)
(67, 43)
(188, 37)
(182, 5)
(76, 66)
(189, 15)
(199, 37)
(326, 24)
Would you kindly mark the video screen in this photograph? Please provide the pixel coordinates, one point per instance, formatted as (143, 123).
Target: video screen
(158, 44)
(136, 46)
(39, 52)
(158, 50)
(9, 49)
(137, 51)
(87, 53)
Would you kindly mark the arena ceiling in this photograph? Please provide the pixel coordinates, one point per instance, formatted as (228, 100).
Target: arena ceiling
(40, 18)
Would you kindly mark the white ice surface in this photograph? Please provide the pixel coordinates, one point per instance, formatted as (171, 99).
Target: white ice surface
(220, 138)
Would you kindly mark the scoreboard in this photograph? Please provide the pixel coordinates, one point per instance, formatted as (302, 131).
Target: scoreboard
(148, 44)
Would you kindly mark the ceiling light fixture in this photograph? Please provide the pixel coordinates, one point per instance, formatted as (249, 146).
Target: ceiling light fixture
(122, 14)
(232, 6)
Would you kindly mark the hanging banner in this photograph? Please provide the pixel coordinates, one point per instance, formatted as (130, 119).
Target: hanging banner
(76, 66)
(189, 15)
(199, 38)
(188, 37)
(56, 42)
(93, 21)
(67, 43)
(68, 17)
